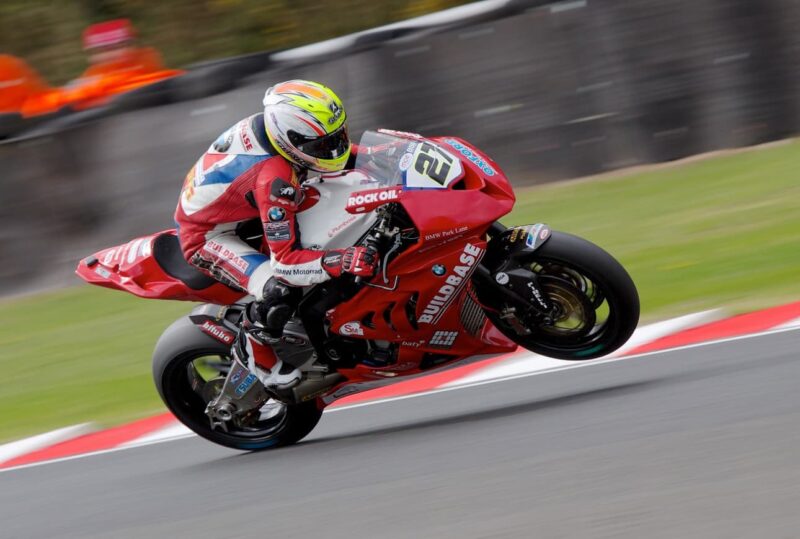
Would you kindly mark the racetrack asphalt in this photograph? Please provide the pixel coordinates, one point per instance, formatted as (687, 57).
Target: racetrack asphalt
(698, 442)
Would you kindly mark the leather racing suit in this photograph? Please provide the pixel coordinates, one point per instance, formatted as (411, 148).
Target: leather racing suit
(241, 178)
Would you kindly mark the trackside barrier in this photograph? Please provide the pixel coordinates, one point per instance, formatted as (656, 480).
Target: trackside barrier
(550, 91)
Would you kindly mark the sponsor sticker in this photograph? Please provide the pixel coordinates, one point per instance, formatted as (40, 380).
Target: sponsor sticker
(298, 272)
(217, 332)
(341, 226)
(282, 192)
(280, 226)
(405, 161)
(443, 339)
(276, 214)
(370, 197)
(336, 112)
(245, 136)
(536, 235)
(237, 375)
(246, 384)
(217, 248)
(279, 231)
(453, 232)
(454, 282)
(536, 294)
(223, 143)
(472, 156)
(332, 260)
(351, 328)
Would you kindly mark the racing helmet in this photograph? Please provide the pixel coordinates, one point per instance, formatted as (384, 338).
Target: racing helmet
(305, 121)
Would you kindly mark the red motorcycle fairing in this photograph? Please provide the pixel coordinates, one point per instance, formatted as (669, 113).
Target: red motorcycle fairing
(435, 319)
(153, 267)
(425, 304)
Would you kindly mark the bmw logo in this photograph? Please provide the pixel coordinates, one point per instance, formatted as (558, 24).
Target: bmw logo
(439, 270)
(276, 214)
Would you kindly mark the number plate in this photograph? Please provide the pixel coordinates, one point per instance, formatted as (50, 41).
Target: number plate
(430, 167)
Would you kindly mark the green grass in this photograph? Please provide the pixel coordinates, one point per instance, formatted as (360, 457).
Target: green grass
(78, 355)
(716, 232)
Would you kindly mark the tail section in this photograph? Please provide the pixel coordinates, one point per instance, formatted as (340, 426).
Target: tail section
(153, 267)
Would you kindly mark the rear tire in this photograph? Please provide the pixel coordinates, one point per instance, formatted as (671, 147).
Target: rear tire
(178, 349)
(587, 286)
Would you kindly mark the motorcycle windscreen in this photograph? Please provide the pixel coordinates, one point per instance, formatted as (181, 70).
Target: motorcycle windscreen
(407, 159)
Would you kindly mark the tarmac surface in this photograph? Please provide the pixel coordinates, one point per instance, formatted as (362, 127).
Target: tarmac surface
(695, 442)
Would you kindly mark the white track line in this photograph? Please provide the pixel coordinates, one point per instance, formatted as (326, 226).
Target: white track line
(591, 363)
(525, 363)
(517, 364)
(790, 324)
(175, 430)
(40, 441)
(573, 365)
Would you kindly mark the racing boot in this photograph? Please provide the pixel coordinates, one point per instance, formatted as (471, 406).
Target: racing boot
(252, 348)
(262, 325)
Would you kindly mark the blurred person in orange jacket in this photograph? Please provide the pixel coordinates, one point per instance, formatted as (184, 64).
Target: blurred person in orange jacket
(22, 90)
(116, 64)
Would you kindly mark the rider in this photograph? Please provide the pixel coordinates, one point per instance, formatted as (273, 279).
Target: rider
(256, 169)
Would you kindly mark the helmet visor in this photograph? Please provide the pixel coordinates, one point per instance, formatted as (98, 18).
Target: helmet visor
(329, 146)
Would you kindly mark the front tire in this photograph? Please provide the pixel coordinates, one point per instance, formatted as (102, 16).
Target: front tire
(596, 305)
(188, 367)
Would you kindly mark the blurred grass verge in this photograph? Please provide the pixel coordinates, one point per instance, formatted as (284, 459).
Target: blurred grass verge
(705, 233)
(714, 232)
(48, 34)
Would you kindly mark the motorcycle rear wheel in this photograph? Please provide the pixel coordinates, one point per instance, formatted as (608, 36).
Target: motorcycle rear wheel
(595, 301)
(188, 369)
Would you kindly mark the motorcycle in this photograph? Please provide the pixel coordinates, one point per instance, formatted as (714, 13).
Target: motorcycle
(454, 286)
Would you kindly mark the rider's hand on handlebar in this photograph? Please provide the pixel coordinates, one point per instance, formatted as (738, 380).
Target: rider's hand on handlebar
(358, 261)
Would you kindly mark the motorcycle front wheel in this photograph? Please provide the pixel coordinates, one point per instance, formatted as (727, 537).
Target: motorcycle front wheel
(595, 302)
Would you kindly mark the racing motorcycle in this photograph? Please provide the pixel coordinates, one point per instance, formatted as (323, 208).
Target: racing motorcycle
(454, 286)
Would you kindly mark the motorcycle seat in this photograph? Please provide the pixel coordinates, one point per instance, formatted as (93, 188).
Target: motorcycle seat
(167, 253)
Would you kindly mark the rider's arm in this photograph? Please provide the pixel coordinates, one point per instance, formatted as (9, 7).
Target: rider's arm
(278, 196)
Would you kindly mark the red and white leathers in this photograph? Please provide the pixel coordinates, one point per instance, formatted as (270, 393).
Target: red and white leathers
(239, 178)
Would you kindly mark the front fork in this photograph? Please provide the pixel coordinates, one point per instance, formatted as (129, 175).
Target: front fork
(510, 253)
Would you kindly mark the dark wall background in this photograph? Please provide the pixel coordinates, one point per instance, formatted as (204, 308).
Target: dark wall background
(551, 92)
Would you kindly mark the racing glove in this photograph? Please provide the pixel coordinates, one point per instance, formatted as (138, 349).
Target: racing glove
(358, 261)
